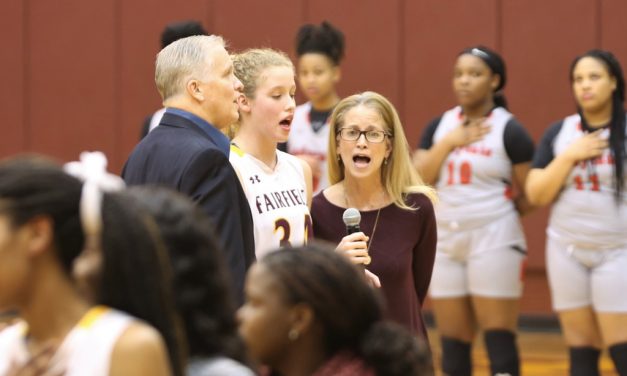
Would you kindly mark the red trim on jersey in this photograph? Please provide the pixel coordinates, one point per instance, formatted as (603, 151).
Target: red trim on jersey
(509, 192)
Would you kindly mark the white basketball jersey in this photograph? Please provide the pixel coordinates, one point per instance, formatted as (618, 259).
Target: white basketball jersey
(304, 141)
(277, 199)
(586, 213)
(86, 350)
(475, 180)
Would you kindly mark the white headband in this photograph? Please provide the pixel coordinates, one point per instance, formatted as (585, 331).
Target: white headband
(92, 170)
(477, 52)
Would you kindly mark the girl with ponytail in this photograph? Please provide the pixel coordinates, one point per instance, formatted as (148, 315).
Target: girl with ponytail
(310, 311)
(475, 154)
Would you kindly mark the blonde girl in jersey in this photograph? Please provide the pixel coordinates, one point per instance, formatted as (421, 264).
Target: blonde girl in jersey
(47, 219)
(474, 154)
(579, 167)
(278, 186)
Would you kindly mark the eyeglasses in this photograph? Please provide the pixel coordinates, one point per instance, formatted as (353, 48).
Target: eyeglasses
(352, 134)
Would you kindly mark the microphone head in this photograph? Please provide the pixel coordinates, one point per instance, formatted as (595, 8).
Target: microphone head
(351, 217)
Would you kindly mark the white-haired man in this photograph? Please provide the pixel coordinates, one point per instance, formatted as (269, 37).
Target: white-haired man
(189, 153)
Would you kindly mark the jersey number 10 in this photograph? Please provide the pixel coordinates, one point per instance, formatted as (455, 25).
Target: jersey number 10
(465, 172)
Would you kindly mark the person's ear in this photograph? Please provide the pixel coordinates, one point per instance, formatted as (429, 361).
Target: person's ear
(301, 321)
(195, 90)
(389, 141)
(39, 233)
(496, 80)
(243, 102)
(613, 80)
(337, 74)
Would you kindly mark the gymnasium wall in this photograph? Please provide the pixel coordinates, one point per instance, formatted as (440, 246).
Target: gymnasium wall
(78, 75)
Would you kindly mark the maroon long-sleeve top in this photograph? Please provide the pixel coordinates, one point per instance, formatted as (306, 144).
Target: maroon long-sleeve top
(402, 249)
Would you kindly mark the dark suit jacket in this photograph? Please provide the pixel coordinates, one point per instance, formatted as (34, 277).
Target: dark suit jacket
(180, 155)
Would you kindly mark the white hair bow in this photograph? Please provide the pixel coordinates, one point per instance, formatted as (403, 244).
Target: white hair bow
(92, 170)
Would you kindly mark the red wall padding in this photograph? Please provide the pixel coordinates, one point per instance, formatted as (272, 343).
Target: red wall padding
(78, 75)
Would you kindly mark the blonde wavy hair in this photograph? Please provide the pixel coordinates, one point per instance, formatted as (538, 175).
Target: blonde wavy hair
(398, 175)
(248, 67)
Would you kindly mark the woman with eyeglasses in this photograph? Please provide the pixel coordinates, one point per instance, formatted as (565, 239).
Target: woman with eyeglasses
(474, 154)
(370, 170)
(580, 168)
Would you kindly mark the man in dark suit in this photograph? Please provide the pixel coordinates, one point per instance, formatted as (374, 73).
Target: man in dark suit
(188, 152)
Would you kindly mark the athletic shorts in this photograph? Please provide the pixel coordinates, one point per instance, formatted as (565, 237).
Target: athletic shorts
(587, 277)
(487, 261)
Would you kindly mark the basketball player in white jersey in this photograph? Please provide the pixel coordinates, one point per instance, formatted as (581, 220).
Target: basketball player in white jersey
(278, 186)
(42, 234)
(580, 168)
(474, 154)
(320, 49)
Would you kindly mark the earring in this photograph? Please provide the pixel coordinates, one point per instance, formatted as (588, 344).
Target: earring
(385, 161)
(293, 335)
(339, 159)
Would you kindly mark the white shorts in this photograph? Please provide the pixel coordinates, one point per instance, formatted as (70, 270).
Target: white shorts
(587, 277)
(486, 261)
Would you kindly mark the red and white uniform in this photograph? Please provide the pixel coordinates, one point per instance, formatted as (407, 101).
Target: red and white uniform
(304, 140)
(587, 231)
(475, 180)
(481, 245)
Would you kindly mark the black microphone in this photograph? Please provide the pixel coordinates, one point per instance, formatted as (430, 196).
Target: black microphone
(351, 218)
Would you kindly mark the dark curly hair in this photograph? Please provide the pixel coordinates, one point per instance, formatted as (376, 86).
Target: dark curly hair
(202, 293)
(324, 39)
(181, 29)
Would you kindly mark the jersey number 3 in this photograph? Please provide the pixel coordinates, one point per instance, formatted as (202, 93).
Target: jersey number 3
(284, 225)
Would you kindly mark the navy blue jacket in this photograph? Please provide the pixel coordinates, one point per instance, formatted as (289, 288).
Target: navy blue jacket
(180, 155)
